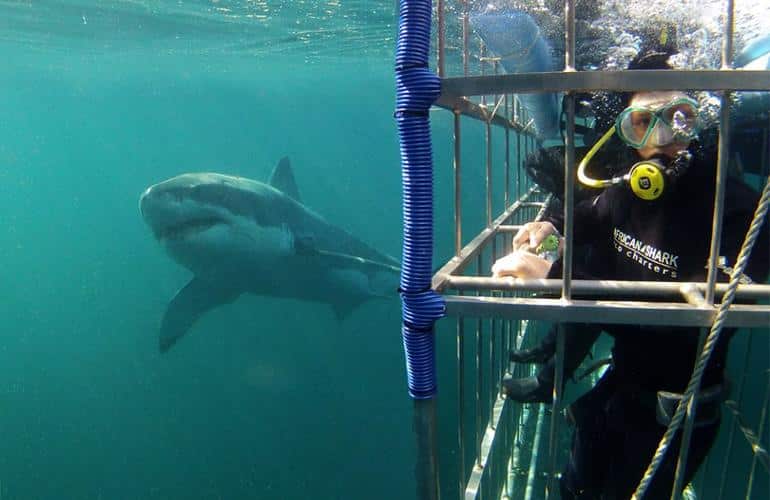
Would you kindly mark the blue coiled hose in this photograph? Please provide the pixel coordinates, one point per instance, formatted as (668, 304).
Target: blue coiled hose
(416, 90)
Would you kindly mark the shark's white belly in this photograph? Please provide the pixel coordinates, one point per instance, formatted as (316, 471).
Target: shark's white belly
(262, 260)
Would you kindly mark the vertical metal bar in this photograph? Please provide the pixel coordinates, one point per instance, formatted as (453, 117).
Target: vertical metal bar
(555, 410)
(689, 424)
(495, 68)
(532, 475)
(760, 431)
(479, 379)
(494, 359)
(569, 150)
(765, 159)
(482, 57)
(441, 38)
(516, 113)
(569, 189)
(493, 378)
(461, 404)
(569, 34)
(466, 36)
(425, 429)
(488, 173)
(457, 187)
(527, 150)
(722, 157)
(507, 195)
(503, 345)
(727, 42)
(734, 426)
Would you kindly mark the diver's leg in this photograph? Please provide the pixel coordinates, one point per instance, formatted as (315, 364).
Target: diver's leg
(541, 353)
(640, 446)
(578, 339)
(592, 445)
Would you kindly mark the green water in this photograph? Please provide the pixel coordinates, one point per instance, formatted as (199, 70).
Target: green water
(265, 398)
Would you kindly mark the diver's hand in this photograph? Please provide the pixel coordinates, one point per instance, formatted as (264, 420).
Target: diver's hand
(531, 234)
(521, 264)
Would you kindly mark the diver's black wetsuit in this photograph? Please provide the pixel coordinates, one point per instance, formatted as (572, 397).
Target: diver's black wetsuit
(665, 240)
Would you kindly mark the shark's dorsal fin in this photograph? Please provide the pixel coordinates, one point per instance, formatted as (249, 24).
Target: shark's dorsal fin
(282, 179)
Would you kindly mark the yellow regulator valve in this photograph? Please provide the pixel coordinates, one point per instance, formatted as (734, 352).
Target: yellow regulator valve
(647, 180)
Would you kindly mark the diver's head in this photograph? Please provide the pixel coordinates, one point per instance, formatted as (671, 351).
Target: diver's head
(658, 123)
(659, 127)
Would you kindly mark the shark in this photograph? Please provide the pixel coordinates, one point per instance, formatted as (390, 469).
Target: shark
(238, 235)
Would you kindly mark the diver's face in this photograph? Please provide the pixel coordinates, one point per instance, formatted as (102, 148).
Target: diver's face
(653, 100)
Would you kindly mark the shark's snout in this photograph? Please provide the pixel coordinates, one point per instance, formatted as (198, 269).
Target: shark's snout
(144, 201)
(178, 208)
(157, 210)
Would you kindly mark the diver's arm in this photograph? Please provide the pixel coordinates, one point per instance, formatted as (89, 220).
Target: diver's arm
(591, 218)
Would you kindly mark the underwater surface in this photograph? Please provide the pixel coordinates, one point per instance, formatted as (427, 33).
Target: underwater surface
(265, 397)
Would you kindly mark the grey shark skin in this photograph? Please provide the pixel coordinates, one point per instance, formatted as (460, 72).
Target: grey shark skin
(238, 236)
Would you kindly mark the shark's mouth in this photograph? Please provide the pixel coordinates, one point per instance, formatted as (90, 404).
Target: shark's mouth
(187, 228)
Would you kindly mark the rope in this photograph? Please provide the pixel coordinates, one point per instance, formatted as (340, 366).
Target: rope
(709, 345)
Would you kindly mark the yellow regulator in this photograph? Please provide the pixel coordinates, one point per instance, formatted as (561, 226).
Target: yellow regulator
(647, 180)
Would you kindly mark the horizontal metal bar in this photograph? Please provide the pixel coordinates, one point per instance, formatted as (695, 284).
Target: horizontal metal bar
(470, 109)
(600, 287)
(605, 312)
(630, 80)
(508, 229)
(457, 264)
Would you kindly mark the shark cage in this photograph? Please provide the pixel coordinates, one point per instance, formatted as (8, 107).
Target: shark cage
(506, 88)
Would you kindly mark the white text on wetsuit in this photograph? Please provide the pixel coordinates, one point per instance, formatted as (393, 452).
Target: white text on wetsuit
(654, 259)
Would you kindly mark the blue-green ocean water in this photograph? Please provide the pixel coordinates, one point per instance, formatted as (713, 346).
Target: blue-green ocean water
(265, 398)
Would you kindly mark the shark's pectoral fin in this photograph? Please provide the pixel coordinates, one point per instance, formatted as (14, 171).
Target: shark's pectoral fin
(190, 303)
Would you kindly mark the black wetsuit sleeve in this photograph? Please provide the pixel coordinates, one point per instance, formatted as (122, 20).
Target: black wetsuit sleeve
(592, 223)
(591, 218)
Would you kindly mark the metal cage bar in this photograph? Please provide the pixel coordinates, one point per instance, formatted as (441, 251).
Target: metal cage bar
(622, 81)
(716, 238)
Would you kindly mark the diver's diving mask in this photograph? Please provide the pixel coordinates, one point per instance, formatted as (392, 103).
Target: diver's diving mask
(676, 121)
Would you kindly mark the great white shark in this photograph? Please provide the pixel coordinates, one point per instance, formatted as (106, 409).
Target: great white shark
(238, 235)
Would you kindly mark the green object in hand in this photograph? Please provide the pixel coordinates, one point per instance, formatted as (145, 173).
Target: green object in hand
(549, 244)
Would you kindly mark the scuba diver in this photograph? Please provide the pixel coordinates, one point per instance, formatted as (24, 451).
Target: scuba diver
(651, 222)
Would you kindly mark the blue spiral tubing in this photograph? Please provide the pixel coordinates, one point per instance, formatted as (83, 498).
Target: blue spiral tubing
(416, 90)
